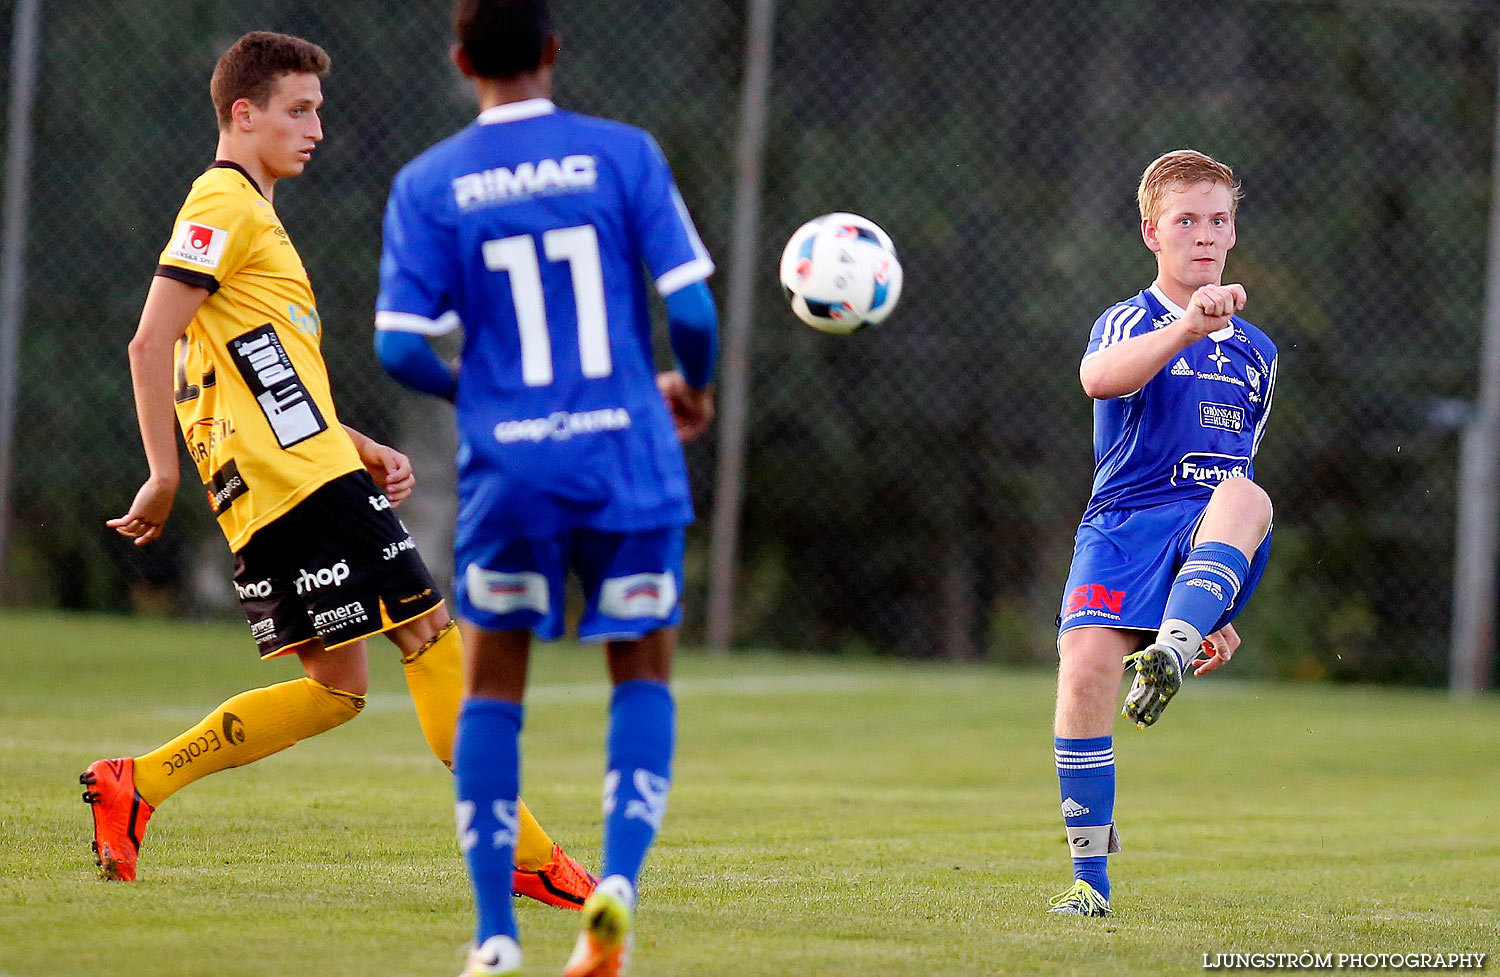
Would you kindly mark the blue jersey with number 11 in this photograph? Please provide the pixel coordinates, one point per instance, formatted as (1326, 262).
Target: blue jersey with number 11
(530, 229)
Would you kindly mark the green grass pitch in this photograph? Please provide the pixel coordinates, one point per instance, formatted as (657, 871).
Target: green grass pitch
(829, 817)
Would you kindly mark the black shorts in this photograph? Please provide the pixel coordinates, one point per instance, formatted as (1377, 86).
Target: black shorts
(339, 566)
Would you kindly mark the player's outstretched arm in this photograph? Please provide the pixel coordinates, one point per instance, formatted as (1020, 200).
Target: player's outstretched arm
(1124, 368)
(390, 469)
(170, 307)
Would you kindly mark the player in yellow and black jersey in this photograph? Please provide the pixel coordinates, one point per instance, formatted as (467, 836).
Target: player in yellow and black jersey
(230, 338)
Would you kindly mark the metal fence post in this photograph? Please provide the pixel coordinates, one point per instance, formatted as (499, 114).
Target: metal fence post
(23, 71)
(734, 379)
(1475, 561)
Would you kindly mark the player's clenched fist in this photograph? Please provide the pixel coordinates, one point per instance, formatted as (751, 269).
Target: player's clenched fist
(1211, 306)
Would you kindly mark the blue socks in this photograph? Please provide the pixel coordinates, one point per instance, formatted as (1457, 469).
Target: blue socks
(487, 777)
(1086, 777)
(1206, 587)
(642, 733)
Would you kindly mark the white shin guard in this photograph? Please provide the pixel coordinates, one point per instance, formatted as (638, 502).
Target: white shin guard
(1091, 841)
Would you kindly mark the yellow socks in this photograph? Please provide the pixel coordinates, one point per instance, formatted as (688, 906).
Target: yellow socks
(435, 678)
(534, 847)
(243, 729)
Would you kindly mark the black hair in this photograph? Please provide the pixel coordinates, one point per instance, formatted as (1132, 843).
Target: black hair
(503, 38)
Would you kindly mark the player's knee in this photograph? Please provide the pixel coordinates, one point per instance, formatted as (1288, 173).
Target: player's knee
(1088, 668)
(1245, 501)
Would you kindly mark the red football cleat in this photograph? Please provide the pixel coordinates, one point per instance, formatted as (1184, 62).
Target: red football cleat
(562, 882)
(120, 816)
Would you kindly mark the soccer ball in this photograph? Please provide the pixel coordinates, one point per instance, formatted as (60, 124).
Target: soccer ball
(840, 273)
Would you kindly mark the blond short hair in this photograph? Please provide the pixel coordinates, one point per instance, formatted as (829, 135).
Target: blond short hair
(1177, 168)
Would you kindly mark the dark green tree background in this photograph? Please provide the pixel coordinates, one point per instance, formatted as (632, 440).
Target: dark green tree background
(912, 489)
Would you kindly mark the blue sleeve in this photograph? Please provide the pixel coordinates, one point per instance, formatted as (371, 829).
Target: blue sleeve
(408, 358)
(662, 229)
(1114, 326)
(417, 262)
(693, 325)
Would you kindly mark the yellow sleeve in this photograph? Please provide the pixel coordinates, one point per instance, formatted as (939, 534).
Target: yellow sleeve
(212, 239)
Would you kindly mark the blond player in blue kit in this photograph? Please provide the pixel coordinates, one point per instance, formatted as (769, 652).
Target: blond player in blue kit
(1176, 534)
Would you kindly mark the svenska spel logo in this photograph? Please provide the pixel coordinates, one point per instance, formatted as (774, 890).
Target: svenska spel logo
(199, 244)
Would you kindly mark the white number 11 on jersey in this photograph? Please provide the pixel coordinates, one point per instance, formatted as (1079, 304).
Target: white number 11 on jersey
(579, 247)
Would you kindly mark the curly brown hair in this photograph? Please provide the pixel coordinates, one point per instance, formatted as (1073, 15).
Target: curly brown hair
(252, 65)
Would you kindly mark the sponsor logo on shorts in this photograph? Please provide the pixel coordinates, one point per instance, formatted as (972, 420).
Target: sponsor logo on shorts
(340, 617)
(1094, 598)
(256, 590)
(379, 503)
(562, 425)
(1225, 417)
(415, 597)
(639, 595)
(308, 581)
(263, 631)
(223, 487)
(504, 593)
(396, 549)
(1207, 468)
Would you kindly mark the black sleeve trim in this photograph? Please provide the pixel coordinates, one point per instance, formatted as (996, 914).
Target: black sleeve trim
(197, 279)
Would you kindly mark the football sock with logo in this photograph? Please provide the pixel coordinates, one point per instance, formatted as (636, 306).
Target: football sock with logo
(487, 779)
(1086, 777)
(1206, 586)
(241, 730)
(642, 732)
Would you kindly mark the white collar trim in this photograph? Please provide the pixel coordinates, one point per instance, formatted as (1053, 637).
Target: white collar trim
(515, 111)
(1179, 311)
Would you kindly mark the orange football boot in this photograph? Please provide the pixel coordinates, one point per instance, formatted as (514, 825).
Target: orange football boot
(120, 816)
(562, 882)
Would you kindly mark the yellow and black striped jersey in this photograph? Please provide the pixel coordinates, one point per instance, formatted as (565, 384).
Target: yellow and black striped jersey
(252, 390)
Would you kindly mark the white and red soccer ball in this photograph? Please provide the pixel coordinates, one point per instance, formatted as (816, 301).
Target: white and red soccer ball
(840, 273)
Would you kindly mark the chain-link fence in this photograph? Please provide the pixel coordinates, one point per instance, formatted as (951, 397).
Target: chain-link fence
(914, 488)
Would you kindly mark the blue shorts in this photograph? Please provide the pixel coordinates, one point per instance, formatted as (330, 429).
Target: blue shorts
(1124, 564)
(632, 582)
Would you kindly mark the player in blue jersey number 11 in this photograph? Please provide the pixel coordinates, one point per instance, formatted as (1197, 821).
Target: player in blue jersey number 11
(530, 229)
(1176, 534)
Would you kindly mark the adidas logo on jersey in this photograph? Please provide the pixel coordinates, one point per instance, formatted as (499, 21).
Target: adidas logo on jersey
(1073, 809)
(1181, 368)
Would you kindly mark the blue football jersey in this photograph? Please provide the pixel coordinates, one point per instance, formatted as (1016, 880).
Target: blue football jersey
(1194, 424)
(531, 228)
